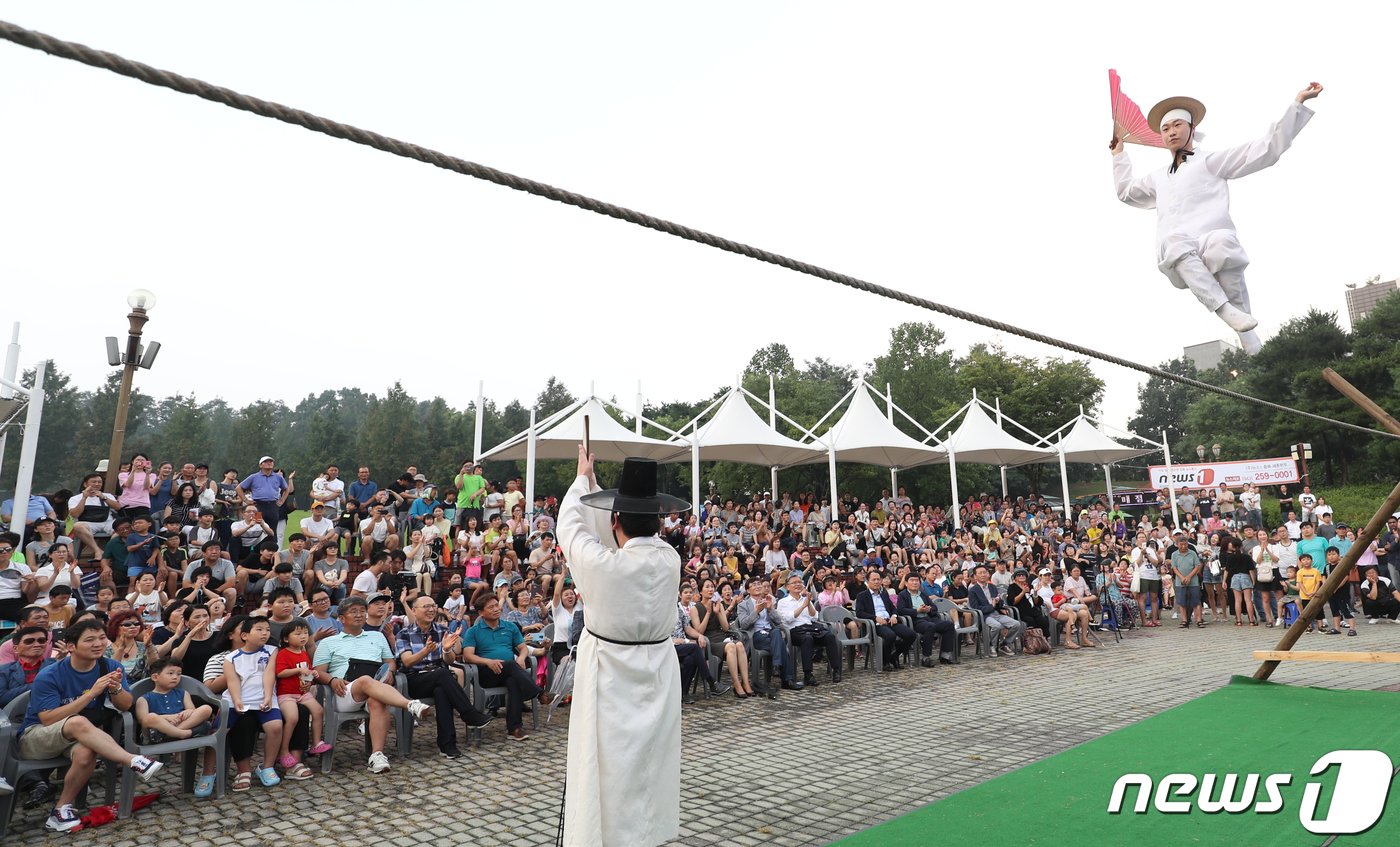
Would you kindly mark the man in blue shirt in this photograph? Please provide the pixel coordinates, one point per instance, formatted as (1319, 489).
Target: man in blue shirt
(39, 507)
(67, 705)
(267, 490)
(498, 650)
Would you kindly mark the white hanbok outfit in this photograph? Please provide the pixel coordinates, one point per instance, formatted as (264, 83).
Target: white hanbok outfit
(624, 767)
(1197, 247)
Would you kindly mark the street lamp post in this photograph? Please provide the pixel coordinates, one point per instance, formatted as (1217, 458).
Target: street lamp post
(1201, 452)
(1215, 448)
(135, 356)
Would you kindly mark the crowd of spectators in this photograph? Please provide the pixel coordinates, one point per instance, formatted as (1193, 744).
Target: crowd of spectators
(460, 584)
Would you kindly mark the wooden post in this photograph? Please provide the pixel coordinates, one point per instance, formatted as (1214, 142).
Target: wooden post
(1337, 578)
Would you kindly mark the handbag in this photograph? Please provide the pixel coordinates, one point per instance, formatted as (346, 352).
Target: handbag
(1035, 643)
(1136, 587)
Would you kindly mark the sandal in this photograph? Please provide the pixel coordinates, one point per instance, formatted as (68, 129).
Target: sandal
(1239, 623)
(319, 749)
(242, 782)
(1184, 624)
(299, 771)
(1200, 624)
(1254, 623)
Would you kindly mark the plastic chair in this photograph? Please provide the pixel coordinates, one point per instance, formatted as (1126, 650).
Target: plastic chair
(482, 696)
(334, 720)
(191, 747)
(954, 612)
(15, 767)
(837, 616)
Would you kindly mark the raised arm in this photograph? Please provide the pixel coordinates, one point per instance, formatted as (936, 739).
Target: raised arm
(1245, 159)
(1135, 192)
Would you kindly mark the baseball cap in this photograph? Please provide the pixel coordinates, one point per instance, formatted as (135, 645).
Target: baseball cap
(267, 459)
(376, 598)
(1042, 572)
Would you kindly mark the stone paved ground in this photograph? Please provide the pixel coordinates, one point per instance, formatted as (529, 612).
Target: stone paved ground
(756, 772)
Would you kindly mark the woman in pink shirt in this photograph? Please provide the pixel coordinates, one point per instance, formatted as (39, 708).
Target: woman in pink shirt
(136, 487)
(834, 593)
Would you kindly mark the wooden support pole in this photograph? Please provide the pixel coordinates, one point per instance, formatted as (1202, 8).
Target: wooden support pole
(1337, 578)
(1325, 656)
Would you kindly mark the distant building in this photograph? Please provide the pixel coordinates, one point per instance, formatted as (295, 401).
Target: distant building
(1208, 354)
(1362, 299)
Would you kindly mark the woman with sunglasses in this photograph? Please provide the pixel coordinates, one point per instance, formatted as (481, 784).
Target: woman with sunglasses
(131, 641)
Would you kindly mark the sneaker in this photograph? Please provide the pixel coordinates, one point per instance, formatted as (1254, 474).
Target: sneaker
(517, 734)
(417, 708)
(480, 721)
(360, 727)
(450, 753)
(41, 793)
(145, 768)
(378, 762)
(1372, 621)
(268, 777)
(5, 787)
(63, 819)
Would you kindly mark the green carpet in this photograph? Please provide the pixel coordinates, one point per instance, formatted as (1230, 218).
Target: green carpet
(1246, 727)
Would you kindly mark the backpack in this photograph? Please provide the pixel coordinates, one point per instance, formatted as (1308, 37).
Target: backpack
(1036, 644)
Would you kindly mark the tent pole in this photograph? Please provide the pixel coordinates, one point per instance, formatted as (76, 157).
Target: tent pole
(530, 465)
(1003, 482)
(480, 417)
(772, 424)
(1171, 482)
(894, 482)
(1108, 484)
(831, 466)
(639, 407)
(1064, 484)
(29, 446)
(953, 477)
(694, 469)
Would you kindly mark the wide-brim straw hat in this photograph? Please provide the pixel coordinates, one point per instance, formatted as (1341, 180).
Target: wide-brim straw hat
(1190, 104)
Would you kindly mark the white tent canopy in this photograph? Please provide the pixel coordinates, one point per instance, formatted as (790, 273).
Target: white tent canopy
(980, 440)
(1086, 443)
(559, 435)
(735, 433)
(866, 436)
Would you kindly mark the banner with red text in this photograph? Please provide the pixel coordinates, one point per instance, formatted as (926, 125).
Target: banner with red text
(1229, 474)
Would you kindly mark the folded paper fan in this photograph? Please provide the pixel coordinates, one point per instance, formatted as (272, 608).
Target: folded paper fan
(1128, 122)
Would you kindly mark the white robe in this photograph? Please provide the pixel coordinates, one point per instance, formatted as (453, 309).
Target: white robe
(624, 768)
(1193, 204)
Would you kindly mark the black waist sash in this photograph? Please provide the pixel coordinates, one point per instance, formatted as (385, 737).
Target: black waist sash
(627, 643)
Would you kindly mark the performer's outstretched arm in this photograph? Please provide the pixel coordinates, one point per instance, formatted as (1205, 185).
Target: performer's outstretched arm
(1256, 155)
(1134, 192)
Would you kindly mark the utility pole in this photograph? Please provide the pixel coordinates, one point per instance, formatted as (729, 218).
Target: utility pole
(140, 301)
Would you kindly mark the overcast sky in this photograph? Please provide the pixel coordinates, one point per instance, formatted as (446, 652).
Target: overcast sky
(955, 152)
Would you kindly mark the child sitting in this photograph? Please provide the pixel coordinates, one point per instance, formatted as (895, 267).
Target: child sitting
(169, 712)
(1290, 593)
(60, 611)
(293, 687)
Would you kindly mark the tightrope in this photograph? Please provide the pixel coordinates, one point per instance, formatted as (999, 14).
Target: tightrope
(307, 120)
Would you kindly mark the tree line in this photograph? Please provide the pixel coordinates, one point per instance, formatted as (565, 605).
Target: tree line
(390, 431)
(1289, 371)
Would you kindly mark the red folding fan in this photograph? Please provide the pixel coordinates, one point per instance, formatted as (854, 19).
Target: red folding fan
(1128, 122)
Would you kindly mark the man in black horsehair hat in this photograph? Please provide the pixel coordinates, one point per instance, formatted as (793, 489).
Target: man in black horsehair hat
(625, 724)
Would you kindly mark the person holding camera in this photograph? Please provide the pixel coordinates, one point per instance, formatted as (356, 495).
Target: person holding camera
(380, 532)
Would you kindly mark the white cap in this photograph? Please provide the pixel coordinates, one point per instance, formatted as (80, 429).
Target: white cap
(267, 459)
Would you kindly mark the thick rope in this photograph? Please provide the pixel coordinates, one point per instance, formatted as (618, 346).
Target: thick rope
(316, 123)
